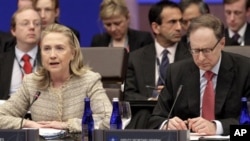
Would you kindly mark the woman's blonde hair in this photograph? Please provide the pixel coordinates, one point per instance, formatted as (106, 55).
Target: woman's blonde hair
(111, 8)
(76, 65)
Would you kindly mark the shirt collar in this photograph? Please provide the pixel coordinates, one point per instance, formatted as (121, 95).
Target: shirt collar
(32, 53)
(160, 48)
(215, 69)
(241, 32)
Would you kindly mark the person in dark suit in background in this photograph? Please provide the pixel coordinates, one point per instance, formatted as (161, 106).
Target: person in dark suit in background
(143, 74)
(26, 28)
(5, 38)
(238, 29)
(190, 10)
(230, 81)
(115, 17)
(49, 11)
(165, 21)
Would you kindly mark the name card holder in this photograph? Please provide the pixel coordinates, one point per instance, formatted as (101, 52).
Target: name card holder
(19, 135)
(141, 135)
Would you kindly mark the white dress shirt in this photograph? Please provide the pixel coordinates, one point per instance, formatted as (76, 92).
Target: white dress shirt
(17, 71)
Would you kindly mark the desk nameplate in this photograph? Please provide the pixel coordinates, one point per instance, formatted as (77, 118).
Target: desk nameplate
(145, 135)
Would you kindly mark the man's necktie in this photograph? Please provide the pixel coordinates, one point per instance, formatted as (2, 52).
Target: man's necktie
(235, 38)
(27, 66)
(163, 67)
(208, 101)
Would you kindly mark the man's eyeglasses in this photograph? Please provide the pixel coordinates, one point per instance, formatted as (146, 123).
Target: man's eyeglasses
(28, 23)
(205, 51)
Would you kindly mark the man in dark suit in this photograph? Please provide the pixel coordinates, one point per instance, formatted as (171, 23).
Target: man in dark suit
(143, 65)
(230, 81)
(143, 79)
(236, 14)
(190, 10)
(49, 11)
(115, 17)
(4, 38)
(26, 28)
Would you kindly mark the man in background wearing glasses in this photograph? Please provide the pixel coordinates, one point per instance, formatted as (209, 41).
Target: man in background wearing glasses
(19, 57)
(213, 83)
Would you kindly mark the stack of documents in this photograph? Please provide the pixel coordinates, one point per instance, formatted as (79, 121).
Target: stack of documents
(49, 133)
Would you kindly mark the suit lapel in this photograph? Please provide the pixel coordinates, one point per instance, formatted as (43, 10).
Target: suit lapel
(106, 41)
(6, 67)
(247, 35)
(148, 65)
(228, 40)
(224, 81)
(193, 95)
(131, 40)
(182, 52)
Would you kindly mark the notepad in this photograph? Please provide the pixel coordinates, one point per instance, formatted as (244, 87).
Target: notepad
(49, 133)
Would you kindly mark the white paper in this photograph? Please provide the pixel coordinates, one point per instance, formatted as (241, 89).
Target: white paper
(2, 101)
(196, 136)
(46, 132)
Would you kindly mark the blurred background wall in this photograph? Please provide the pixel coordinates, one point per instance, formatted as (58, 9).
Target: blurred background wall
(83, 15)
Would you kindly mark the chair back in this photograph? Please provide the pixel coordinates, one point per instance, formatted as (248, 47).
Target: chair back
(242, 50)
(111, 63)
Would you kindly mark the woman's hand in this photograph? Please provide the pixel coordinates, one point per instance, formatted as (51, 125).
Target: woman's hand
(45, 124)
(53, 124)
(31, 124)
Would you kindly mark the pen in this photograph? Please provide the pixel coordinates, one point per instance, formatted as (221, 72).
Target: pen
(186, 122)
(151, 87)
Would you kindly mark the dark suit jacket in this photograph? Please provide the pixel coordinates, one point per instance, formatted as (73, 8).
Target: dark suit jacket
(77, 33)
(229, 41)
(233, 82)
(4, 38)
(7, 57)
(136, 39)
(141, 71)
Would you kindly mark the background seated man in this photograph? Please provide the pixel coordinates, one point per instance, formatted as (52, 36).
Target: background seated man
(238, 28)
(191, 9)
(147, 66)
(49, 11)
(26, 28)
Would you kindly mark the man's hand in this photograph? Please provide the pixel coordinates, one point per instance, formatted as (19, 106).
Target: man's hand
(202, 126)
(176, 123)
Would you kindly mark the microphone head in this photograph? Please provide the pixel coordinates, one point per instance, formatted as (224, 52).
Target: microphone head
(179, 90)
(37, 95)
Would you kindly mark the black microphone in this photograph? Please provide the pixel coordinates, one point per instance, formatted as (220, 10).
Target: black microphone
(35, 97)
(171, 110)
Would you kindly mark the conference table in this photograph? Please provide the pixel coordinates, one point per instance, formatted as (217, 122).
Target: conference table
(193, 137)
(69, 137)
